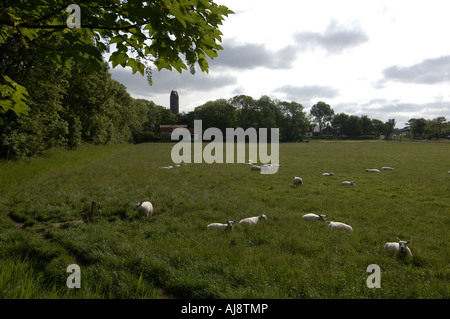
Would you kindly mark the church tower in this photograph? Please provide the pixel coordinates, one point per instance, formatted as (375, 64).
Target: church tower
(174, 102)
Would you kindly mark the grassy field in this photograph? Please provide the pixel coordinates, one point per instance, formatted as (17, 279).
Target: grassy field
(173, 254)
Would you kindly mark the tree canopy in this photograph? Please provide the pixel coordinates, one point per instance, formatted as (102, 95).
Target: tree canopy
(322, 113)
(167, 34)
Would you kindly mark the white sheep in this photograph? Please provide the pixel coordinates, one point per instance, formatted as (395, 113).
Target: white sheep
(145, 209)
(347, 183)
(372, 170)
(253, 220)
(298, 181)
(339, 225)
(228, 225)
(399, 247)
(315, 217)
(386, 168)
(328, 174)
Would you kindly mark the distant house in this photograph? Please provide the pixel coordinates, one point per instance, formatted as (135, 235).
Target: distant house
(313, 130)
(166, 131)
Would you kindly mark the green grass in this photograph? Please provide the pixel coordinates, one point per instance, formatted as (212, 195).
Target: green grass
(173, 253)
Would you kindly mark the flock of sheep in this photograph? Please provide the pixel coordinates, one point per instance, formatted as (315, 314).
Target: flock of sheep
(145, 209)
(399, 247)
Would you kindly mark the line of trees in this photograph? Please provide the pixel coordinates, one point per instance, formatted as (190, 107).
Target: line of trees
(55, 88)
(70, 105)
(343, 124)
(427, 129)
(244, 111)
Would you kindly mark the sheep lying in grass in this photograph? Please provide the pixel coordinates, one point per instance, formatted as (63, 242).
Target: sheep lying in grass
(315, 217)
(341, 226)
(298, 181)
(228, 225)
(347, 183)
(145, 209)
(386, 168)
(399, 247)
(372, 170)
(328, 174)
(253, 220)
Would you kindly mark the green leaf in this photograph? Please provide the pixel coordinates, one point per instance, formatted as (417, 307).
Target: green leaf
(116, 39)
(118, 58)
(176, 11)
(136, 66)
(203, 63)
(15, 95)
(31, 34)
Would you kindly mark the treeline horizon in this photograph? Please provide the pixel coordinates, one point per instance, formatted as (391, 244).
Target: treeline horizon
(56, 88)
(71, 105)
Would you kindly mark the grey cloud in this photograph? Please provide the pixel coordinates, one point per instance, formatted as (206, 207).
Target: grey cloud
(431, 109)
(164, 81)
(429, 71)
(250, 56)
(308, 92)
(335, 39)
(384, 107)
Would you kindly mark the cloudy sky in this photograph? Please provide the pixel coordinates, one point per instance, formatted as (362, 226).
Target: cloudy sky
(384, 59)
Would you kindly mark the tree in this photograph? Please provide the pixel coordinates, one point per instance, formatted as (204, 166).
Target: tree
(167, 34)
(416, 127)
(269, 113)
(219, 113)
(378, 127)
(366, 125)
(389, 127)
(294, 121)
(322, 114)
(436, 128)
(247, 113)
(44, 125)
(353, 126)
(340, 123)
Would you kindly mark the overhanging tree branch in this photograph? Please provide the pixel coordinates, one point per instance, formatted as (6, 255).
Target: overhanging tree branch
(64, 26)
